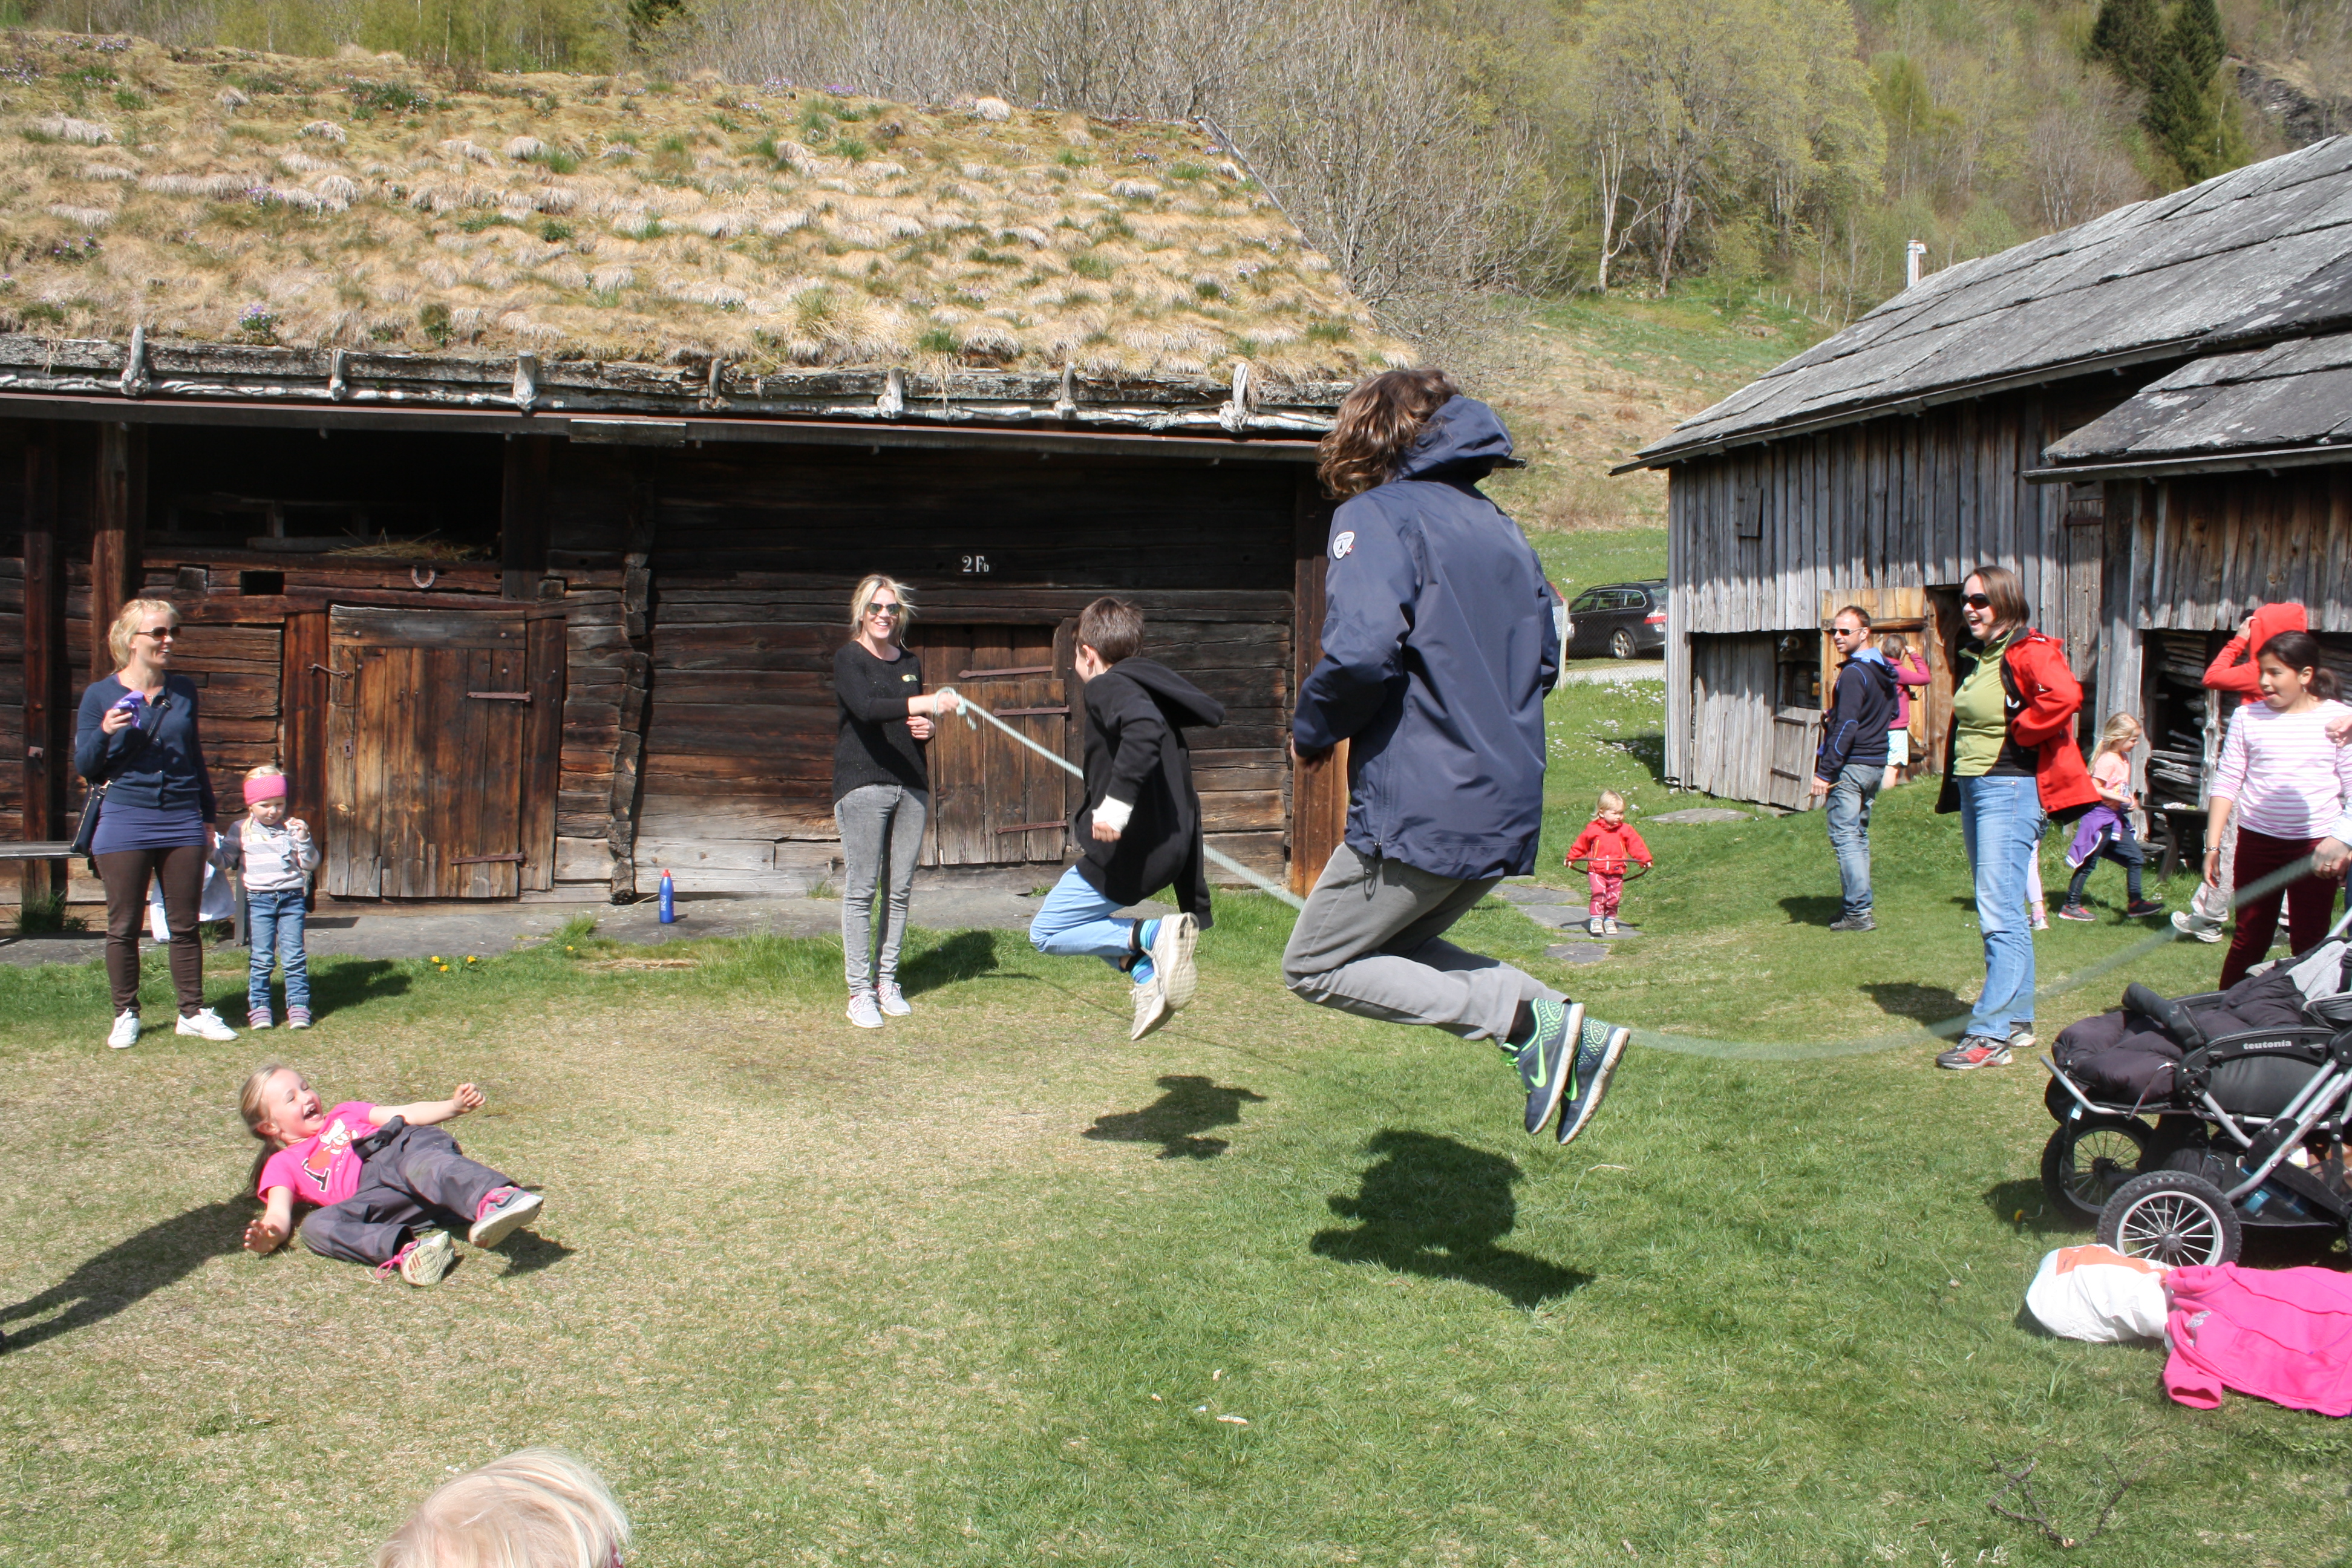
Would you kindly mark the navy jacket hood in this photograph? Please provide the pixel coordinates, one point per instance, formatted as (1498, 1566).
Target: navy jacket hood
(1439, 645)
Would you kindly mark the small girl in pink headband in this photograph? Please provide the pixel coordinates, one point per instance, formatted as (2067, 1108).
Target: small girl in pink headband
(276, 857)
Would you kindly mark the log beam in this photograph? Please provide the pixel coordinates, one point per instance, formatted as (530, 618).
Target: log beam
(118, 534)
(47, 736)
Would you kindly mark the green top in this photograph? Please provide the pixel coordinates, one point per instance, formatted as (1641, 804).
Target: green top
(1980, 704)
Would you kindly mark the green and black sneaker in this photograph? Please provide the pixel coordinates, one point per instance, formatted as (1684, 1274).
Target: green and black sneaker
(1598, 1052)
(1548, 1061)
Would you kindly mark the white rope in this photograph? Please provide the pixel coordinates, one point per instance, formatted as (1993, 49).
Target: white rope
(1745, 1050)
(1216, 857)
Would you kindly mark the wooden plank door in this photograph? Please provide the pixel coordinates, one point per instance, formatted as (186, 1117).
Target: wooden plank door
(994, 802)
(424, 755)
(1894, 610)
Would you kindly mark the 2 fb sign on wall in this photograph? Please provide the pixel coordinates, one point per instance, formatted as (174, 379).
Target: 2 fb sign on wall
(975, 565)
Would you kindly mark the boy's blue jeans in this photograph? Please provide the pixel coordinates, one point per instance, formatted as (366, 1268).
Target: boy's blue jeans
(2001, 823)
(274, 930)
(1074, 921)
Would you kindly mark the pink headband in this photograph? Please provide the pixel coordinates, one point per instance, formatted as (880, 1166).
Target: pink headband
(269, 786)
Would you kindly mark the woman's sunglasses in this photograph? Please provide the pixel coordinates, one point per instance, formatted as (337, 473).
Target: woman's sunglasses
(1977, 601)
(885, 611)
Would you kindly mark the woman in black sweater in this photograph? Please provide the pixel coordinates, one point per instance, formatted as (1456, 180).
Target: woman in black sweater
(881, 790)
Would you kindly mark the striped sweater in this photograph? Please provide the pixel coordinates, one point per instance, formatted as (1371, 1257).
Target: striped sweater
(276, 860)
(2288, 779)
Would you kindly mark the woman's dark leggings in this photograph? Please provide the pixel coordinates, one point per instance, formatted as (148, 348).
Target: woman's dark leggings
(126, 873)
(2308, 903)
(2125, 851)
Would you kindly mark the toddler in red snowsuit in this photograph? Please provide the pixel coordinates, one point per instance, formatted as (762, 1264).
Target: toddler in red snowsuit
(1607, 842)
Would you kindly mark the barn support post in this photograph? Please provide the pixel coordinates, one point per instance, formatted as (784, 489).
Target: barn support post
(45, 733)
(522, 516)
(1318, 790)
(636, 681)
(117, 532)
(302, 683)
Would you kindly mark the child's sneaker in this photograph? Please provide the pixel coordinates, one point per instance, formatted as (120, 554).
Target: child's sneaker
(1596, 926)
(258, 1018)
(125, 1032)
(206, 1025)
(2141, 909)
(1547, 1060)
(864, 1012)
(2040, 916)
(297, 1017)
(1151, 1008)
(1609, 927)
(1599, 1050)
(503, 1208)
(2077, 912)
(890, 999)
(423, 1261)
(1171, 958)
(1976, 1051)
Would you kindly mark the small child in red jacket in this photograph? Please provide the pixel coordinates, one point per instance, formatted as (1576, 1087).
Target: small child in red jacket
(1607, 842)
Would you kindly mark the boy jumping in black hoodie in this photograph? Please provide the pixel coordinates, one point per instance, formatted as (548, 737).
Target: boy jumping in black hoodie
(1139, 825)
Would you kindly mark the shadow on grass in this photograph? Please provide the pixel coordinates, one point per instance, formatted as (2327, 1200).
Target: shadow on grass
(1805, 910)
(1175, 1121)
(1434, 1208)
(528, 1252)
(131, 1270)
(2007, 1200)
(353, 982)
(1922, 1003)
(967, 956)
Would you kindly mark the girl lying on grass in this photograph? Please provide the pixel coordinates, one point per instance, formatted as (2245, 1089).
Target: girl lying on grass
(385, 1179)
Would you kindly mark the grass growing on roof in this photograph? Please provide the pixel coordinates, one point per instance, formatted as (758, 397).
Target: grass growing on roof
(993, 1285)
(256, 157)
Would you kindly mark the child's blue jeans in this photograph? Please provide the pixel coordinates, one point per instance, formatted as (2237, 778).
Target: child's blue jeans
(274, 928)
(1074, 921)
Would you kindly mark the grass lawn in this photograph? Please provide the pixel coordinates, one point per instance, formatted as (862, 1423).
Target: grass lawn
(993, 1286)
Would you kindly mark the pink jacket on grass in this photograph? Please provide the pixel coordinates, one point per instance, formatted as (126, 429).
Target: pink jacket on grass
(2283, 1334)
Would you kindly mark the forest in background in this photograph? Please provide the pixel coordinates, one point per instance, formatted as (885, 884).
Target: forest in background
(1734, 148)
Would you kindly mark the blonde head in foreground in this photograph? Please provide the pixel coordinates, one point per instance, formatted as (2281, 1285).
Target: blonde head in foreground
(540, 1508)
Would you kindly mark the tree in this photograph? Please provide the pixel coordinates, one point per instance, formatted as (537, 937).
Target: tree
(2129, 37)
(2197, 40)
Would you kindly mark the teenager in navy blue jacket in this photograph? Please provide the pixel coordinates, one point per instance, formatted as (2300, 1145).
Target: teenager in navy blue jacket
(1439, 647)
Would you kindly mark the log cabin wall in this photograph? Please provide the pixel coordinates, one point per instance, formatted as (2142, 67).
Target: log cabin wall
(1757, 535)
(752, 559)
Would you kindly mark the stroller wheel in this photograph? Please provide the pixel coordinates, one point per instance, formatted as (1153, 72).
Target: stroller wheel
(2171, 1218)
(2084, 1162)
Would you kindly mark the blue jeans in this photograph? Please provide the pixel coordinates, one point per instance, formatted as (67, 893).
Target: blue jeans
(1074, 921)
(1848, 811)
(274, 930)
(2001, 824)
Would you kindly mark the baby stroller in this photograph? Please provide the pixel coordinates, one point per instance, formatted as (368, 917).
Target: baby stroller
(2250, 1094)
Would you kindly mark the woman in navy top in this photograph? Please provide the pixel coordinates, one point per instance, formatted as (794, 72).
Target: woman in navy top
(136, 733)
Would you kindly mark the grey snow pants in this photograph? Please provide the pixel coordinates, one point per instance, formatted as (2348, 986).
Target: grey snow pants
(416, 1180)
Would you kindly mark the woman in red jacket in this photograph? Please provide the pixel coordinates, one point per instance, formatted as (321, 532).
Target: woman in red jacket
(2014, 765)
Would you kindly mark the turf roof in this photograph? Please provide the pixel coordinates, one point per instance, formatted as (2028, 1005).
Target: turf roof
(228, 196)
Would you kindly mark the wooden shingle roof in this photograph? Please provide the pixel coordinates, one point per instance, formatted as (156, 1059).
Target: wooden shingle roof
(2248, 257)
(2294, 398)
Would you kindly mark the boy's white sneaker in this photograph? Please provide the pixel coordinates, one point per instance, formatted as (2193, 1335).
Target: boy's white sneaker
(1151, 1008)
(1172, 959)
(204, 1025)
(125, 1032)
(890, 999)
(864, 1012)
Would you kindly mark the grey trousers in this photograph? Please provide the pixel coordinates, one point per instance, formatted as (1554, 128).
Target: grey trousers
(881, 831)
(1371, 943)
(416, 1180)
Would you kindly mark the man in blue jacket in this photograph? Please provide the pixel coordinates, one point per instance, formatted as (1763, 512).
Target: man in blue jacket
(1851, 762)
(1439, 645)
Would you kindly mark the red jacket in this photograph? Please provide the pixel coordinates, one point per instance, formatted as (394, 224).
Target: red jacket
(1609, 846)
(2234, 670)
(2044, 698)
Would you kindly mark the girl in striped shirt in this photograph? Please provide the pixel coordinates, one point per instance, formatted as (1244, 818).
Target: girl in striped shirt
(2286, 779)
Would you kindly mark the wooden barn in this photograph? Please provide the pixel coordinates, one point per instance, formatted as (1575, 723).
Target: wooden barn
(512, 451)
(2135, 414)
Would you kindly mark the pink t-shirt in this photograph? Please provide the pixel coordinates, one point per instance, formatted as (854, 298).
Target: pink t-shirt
(2111, 775)
(322, 1168)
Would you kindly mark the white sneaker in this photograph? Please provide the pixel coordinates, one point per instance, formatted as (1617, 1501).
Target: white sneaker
(2040, 916)
(1151, 1008)
(1172, 959)
(126, 1031)
(863, 1013)
(1609, 928)
(206, 1025)
(892, 1000)
(1596, 926)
